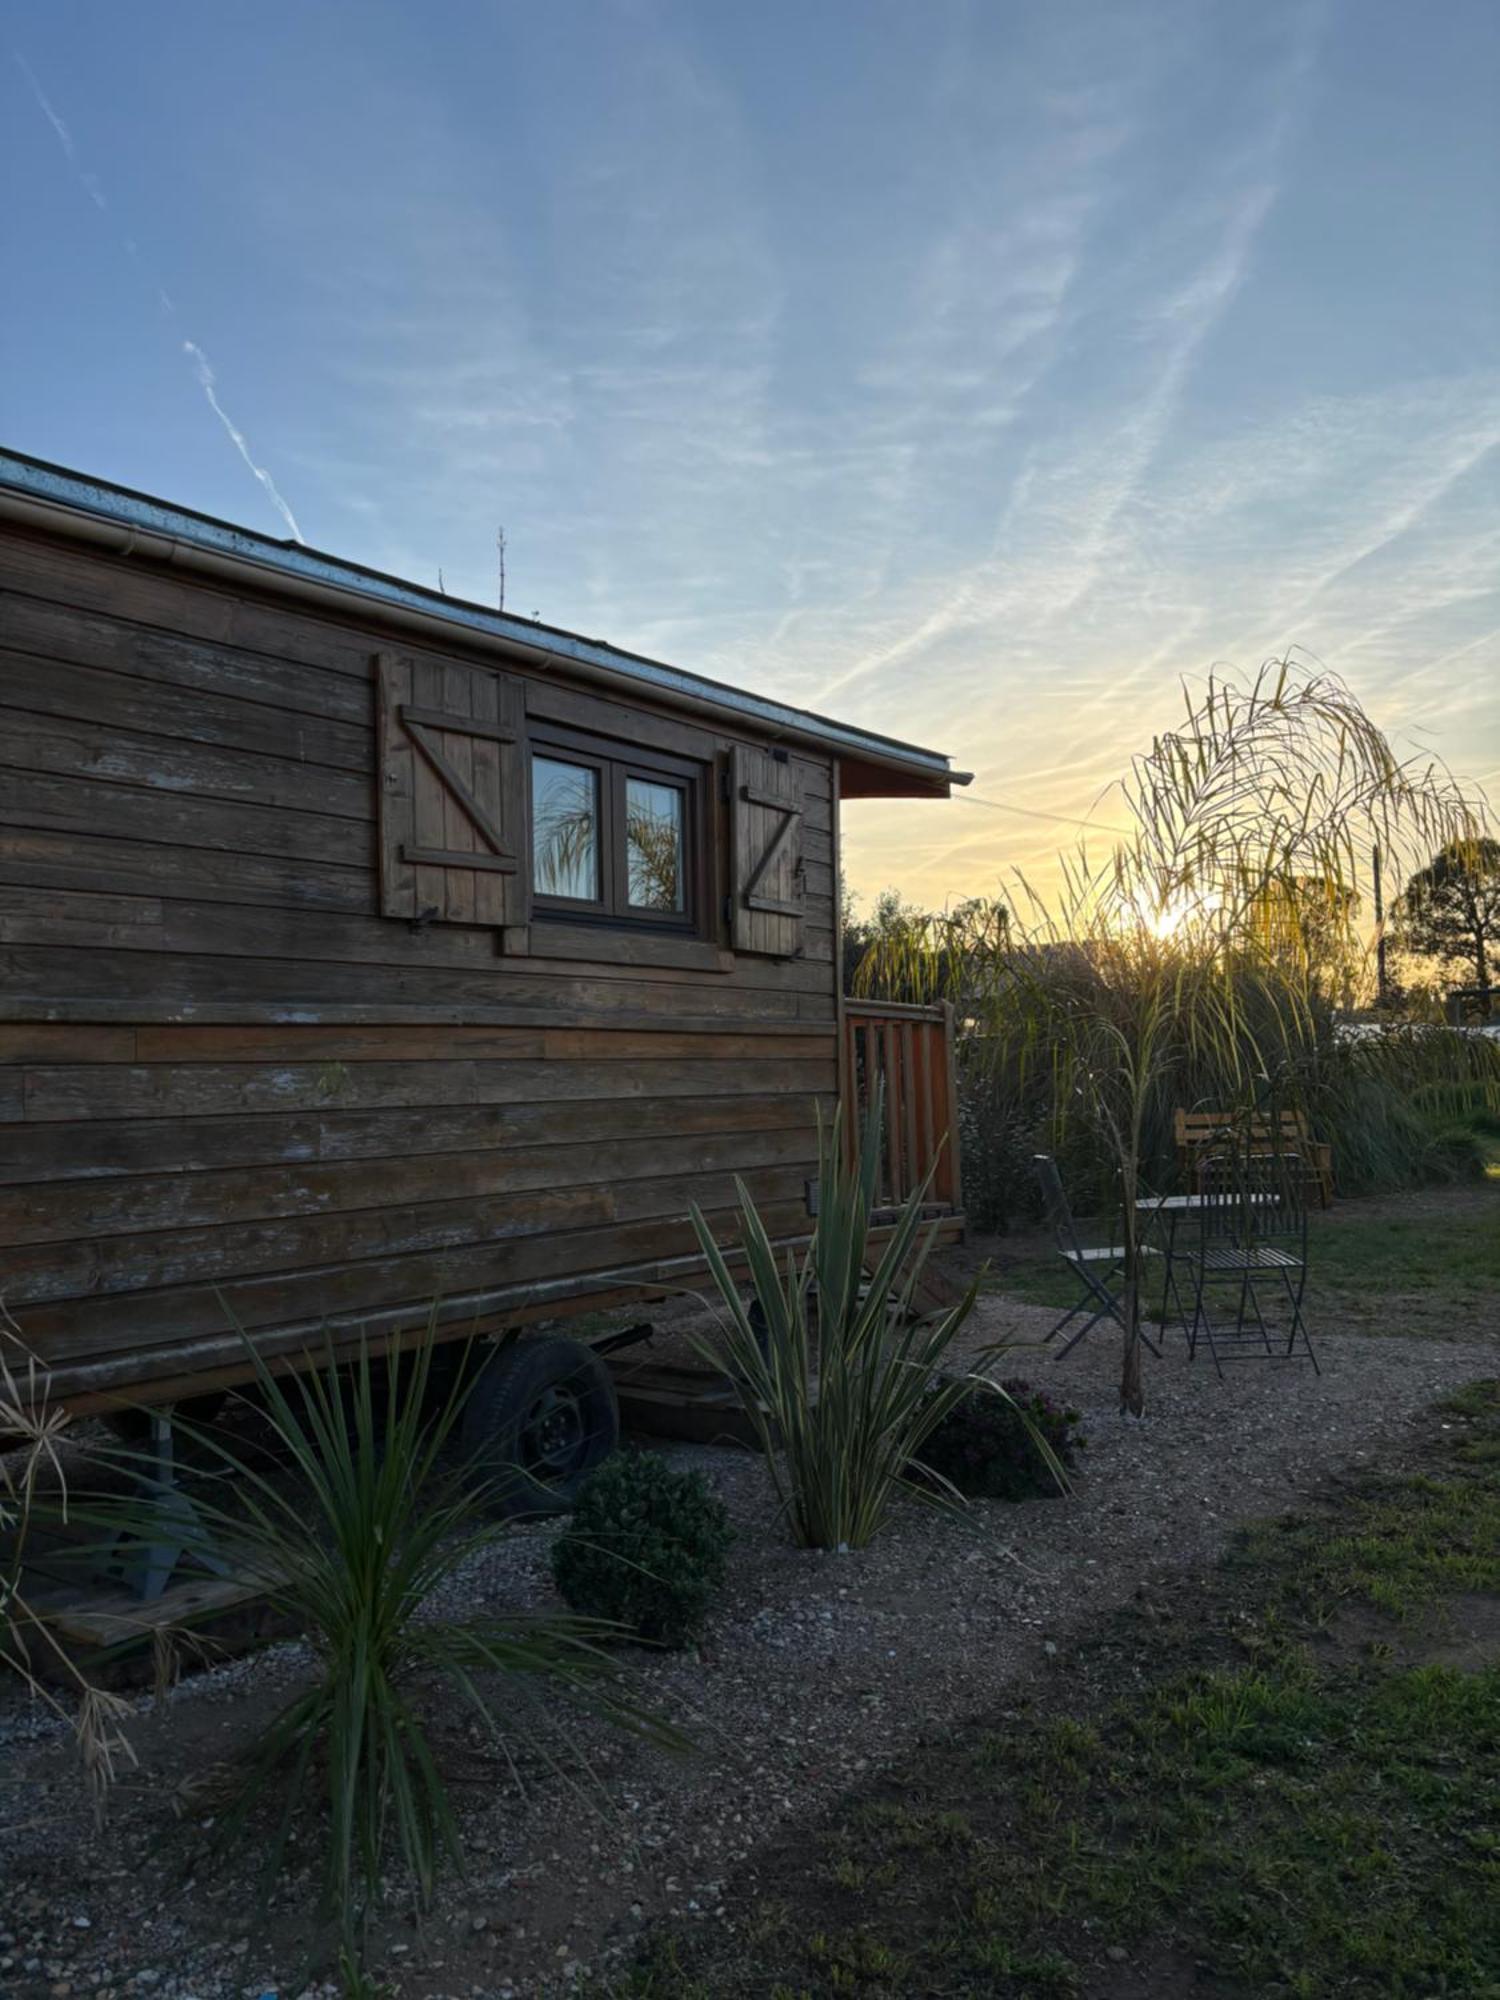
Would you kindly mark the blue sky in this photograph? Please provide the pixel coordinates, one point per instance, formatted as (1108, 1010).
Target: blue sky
(971, 371)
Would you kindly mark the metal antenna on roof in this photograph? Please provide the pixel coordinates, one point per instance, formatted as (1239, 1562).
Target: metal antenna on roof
(500, 557)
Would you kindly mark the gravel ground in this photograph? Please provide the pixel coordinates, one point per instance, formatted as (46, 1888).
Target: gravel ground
(817, 1670)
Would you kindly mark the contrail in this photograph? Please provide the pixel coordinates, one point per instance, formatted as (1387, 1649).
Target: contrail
(199, 359)
(64, 137)
(205, 376)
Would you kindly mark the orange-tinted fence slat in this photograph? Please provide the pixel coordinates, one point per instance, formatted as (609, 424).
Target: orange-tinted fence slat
(910, 1050)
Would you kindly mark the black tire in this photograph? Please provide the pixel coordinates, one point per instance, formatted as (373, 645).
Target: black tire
(537, 1420)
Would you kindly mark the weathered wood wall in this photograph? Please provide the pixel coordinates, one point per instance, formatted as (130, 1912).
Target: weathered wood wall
(223, 1072)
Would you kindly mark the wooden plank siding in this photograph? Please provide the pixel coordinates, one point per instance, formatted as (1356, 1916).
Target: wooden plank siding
(228, 1084)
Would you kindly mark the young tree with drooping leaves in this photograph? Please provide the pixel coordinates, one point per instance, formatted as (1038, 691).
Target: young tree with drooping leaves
(1173, 958)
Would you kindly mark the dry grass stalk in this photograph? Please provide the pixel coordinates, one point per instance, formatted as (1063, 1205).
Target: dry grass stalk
(94, 1715)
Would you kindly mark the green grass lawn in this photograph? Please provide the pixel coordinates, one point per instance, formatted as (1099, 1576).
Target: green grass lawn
(1452, 1247)
(1438, 1251)
(1285, 1783)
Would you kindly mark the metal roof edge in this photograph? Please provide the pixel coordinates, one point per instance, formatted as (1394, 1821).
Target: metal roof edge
(58, 486)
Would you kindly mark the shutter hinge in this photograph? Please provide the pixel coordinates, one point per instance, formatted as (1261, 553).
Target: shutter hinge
(729, 912)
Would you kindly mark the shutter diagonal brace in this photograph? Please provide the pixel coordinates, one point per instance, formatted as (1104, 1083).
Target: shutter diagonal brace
(790, 813)
(417, 722)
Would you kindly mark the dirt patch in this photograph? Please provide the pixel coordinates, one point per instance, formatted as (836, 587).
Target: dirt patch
(1461, 1632)
(1158, 1973)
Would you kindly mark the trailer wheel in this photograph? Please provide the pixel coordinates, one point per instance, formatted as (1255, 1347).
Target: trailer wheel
(537, 1420)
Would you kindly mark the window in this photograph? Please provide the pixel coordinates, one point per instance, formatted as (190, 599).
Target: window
(655, 845)
(565, 813)
(615, 833)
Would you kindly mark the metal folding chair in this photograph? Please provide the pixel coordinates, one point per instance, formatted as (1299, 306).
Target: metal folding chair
(1252, 1232)
(1099, 1270)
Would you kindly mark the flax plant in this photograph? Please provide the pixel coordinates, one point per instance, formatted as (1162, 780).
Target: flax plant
(845, 1380)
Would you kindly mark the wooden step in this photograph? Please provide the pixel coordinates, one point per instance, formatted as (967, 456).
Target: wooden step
(116, 1640)
(677, 1400)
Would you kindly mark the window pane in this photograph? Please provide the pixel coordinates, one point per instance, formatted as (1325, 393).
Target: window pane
(565, 829)
(653, 835)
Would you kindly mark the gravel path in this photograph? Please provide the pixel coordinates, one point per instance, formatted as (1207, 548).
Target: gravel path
(817, 1670)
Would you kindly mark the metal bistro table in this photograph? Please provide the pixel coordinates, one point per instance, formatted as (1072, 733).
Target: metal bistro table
(1166, 1210)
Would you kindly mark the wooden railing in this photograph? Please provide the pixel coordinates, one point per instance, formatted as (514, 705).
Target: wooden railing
(911, 1049)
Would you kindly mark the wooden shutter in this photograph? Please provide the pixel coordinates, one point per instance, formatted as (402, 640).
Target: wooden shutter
(452, 749)
(769, 885)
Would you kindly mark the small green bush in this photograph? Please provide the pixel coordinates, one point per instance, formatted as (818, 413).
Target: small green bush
(645, 1547)
(992, 1447)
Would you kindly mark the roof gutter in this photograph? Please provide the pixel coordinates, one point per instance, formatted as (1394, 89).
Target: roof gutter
(95, 514)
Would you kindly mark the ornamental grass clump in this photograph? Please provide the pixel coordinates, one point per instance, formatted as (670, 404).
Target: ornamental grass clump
(1010, 1442)
(839, 1375)
(645, 1548)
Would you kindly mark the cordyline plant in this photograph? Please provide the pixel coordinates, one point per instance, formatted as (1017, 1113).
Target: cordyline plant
(845, 1379)
(1203, 950)
(355, 1530)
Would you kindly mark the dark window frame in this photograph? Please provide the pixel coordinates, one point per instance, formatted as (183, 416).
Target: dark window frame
(615, 764)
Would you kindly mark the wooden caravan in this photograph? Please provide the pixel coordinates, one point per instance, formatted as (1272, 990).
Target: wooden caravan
(360, 948)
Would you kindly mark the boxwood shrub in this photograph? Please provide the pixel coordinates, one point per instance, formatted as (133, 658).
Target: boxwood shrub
(645, 1547)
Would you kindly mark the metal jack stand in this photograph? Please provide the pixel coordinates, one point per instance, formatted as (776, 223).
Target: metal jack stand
(147, 1566)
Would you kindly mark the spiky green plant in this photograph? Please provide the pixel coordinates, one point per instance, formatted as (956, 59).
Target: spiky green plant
(841, 1378)
(354, 1527)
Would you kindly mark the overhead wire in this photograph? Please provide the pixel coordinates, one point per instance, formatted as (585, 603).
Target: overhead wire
(1036, 812)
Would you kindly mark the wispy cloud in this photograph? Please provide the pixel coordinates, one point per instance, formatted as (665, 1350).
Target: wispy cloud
(977, 387)
(201, 369)
(86, 181)
(1062, 517)
(612, 408)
